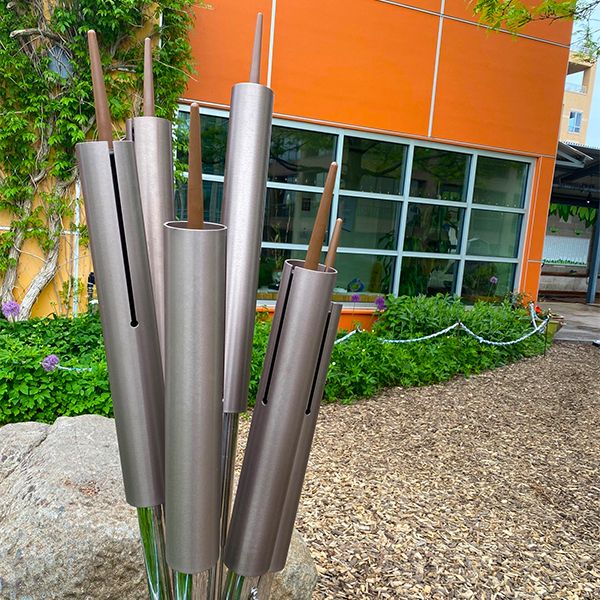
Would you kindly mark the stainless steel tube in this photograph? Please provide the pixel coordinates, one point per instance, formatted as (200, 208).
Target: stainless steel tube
(152, 137)
(191, 587)
(110, 189)
(283, 398)
(246, 163)
(151, 524)
(195, 323)
(294, 491)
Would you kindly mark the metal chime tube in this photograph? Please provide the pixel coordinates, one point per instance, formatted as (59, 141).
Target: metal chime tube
(246, 164)
(110, 189)
(291, 365)
(195, 323)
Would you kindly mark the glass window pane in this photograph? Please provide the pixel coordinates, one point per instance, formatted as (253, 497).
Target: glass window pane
(494, 233)
(290, 216)
(213, 198)
(299, 156)
(369, 223)
(367, 276)
(214, 142)
(487, 280)
(431, 228)
(372, 166)
(500, 182)
(427, 276)
(269, 272)
(439, 174)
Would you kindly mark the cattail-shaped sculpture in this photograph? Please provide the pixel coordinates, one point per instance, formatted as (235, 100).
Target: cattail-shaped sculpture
(244, 190)
(195, 332)
(290, 389)
(110, 188)
(152, 137)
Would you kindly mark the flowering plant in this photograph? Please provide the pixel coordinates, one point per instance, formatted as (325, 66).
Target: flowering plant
(11, 310)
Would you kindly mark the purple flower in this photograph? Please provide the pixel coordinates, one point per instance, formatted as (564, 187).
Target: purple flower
(380, 303)
(355, 298)
(50, 362)
(10, 309)
(493, 280)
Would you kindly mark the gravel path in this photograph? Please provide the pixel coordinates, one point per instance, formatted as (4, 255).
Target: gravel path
(481, 488)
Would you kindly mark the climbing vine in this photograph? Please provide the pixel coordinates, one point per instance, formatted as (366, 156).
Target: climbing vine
(46, 107)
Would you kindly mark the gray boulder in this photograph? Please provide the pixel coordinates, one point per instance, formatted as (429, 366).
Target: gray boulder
(65, 528)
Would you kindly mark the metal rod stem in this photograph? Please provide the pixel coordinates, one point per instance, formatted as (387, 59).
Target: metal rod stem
(152, 533)
(192, 587)
(239, 587)
(230, 433)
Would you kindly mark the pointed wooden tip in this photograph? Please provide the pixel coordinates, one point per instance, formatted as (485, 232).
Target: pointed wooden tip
(103, 122)
(334, 243)
(149, 109)
(195, 198)
(318, 233)
(256, 50)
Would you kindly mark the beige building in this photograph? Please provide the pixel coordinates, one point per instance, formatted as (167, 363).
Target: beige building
(577, 100)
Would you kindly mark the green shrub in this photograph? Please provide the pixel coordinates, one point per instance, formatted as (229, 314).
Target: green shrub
(360, 366)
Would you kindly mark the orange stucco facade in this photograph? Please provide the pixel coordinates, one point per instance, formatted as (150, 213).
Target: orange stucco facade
(421, 69)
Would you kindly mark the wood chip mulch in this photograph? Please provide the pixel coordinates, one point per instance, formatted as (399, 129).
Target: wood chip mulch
(484, 488)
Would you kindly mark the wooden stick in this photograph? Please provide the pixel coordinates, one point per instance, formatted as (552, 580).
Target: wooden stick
(195, 199)
(103, 122)
(148, 79)
(318, 233)
(333, 244)
(256, 50)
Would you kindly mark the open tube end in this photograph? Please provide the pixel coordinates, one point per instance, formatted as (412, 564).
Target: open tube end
(103, 122)
(333, 244)
(256, 50)
(149, 109)
(318, 233)
(195, 197)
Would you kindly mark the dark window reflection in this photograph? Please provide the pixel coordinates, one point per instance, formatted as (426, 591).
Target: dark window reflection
(500, 182)
(299, 156)
(271, 266)
(427, 276)
(214, 142)
(369, 223)
(289, 216)
(213, 198)
(487, 280)
(372, 166)
(431, 228)
(439, 174)
(494, 233)
(364, 275)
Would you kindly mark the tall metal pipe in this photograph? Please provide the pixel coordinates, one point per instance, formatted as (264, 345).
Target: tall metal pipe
(195, 323)
(244, 191)
(284, 396)
(114, 215)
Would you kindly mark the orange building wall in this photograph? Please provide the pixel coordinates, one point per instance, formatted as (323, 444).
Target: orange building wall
(425, 70)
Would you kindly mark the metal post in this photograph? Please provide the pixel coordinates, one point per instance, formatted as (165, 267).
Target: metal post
(594, 265)
(152, 534)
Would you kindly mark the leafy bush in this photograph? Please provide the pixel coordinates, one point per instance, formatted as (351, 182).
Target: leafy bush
(360, 366)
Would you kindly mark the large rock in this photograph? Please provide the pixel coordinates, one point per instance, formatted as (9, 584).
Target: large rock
(65, 528)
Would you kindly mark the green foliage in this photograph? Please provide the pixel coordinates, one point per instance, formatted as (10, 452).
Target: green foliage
(360, 367)
(29, 393)
(515, 14)
(586, 214)
(47, 101)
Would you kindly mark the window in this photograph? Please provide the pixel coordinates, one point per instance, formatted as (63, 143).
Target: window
(419, 218)
(439, 174)
(575, 117)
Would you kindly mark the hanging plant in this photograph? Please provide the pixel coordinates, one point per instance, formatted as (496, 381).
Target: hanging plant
(47, 107)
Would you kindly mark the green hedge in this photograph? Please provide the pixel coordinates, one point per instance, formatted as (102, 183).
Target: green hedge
(359, 367)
